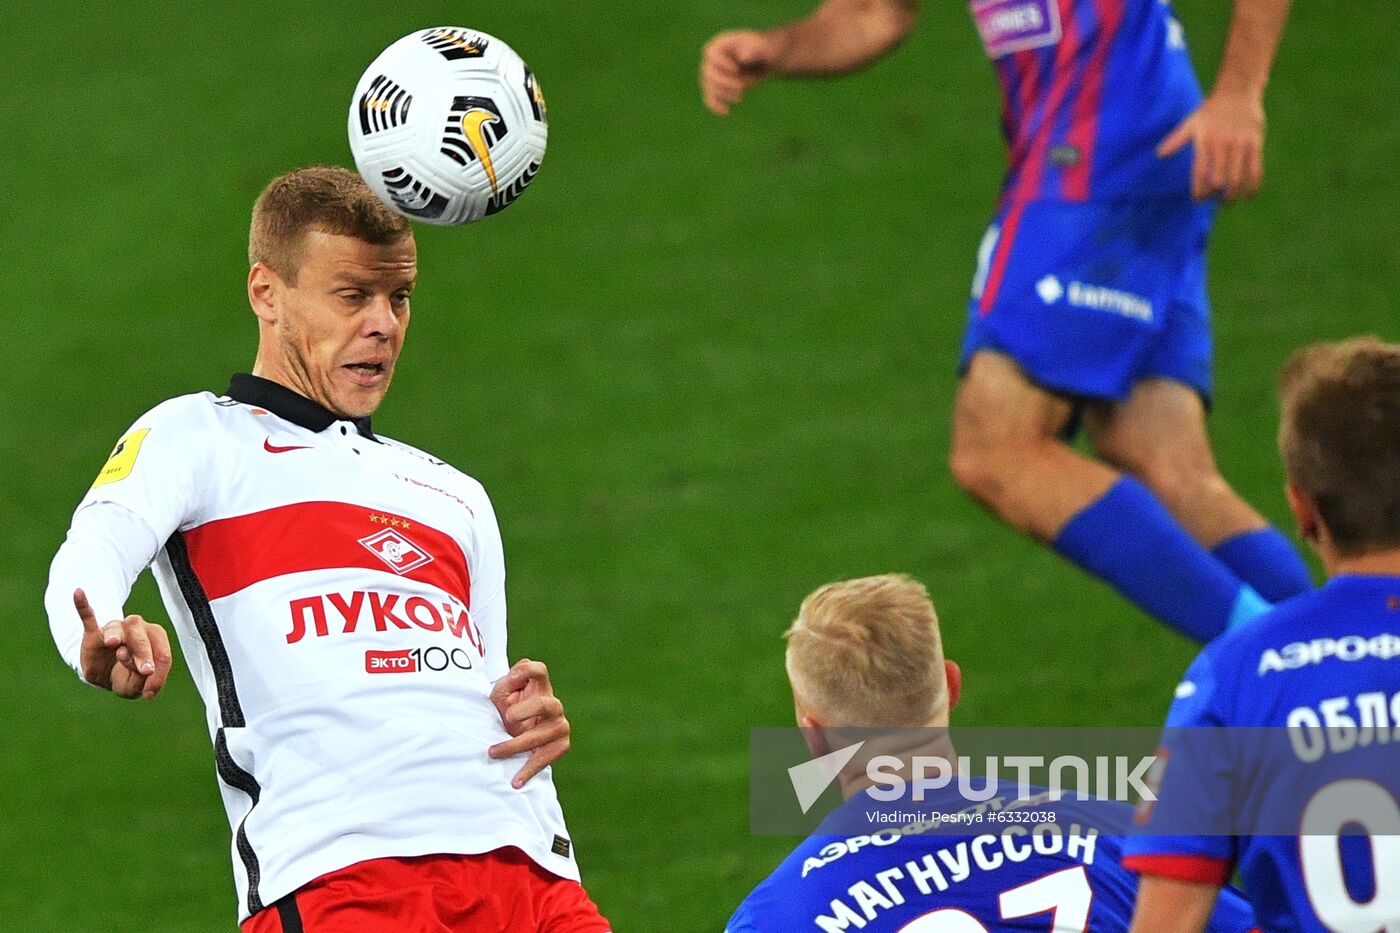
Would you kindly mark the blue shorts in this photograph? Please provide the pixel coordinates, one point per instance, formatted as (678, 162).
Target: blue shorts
(1090, 298)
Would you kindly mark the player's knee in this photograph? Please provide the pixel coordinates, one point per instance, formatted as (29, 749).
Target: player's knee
(976, 467)
(963, 464)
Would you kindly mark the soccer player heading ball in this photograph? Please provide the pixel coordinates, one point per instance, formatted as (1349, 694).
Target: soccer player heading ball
(1089, 299)
(340, 599)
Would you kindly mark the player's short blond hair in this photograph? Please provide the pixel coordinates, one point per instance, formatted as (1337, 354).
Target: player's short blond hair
(1340, 438)
(320, 197)
(868, 652)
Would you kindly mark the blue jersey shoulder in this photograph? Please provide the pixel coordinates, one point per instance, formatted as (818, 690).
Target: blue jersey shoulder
(1326, 643)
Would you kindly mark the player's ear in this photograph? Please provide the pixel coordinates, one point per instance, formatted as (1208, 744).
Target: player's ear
(953, 673)
(815, 735)
(264, 286)
(1304, 512)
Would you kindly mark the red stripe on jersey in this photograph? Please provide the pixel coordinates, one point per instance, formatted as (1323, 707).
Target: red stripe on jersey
(1197, 868)
(1000, 255)
(1028, 150)
(1004, 81)
(229, 554)
(1029, 184)
(1027, 64)
(1084, 112)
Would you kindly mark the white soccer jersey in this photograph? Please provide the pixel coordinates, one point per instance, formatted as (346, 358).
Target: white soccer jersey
(340, 601)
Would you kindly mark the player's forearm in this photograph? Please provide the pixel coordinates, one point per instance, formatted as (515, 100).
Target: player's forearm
(1169, 904)
(1255, 29)
(106, 550)
(842, 36)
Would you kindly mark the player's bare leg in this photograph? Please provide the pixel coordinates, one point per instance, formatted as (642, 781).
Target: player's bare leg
(1007, 453)
(1159, 436)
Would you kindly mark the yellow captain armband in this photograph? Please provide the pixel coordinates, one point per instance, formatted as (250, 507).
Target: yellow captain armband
(123, 458)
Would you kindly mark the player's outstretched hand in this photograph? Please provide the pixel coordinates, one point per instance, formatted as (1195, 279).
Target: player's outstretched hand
(733, 62)
(534, 717)
(130, 657)
(1228, 133)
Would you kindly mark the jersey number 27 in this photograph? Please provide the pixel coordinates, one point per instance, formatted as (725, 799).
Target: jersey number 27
(1065, 895)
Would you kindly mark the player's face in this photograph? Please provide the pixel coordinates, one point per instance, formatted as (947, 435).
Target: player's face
(341, 326)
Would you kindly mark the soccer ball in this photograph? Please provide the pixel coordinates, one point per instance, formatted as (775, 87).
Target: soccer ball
(448, 125)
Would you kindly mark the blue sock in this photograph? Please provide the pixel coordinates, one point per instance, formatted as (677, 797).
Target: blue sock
(1267, 561)
(1128, 539)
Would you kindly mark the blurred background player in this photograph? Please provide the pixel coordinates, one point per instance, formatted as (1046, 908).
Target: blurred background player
(1089, 300)
(340, 598)
(867, 654)
(1327, 663)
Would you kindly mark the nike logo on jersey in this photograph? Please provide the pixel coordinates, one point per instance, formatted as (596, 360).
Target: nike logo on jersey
(274, 449)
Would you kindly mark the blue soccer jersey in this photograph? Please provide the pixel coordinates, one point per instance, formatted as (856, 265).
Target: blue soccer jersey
(1296, 781)
(1092, 274)
(1056, 869)
(1089, 89)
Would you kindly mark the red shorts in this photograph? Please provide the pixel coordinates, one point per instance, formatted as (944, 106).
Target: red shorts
(498, 892)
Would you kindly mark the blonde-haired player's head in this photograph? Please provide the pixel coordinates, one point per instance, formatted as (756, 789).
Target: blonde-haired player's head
(868, 653)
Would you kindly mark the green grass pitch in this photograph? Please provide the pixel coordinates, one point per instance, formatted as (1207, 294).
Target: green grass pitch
(703, 366)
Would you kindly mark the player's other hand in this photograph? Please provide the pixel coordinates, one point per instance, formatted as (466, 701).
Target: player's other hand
(534, 717)
(1228, 133)
(130, 657)
(733, 62)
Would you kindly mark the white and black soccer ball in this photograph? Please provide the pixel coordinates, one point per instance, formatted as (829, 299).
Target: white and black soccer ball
(448, 125)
